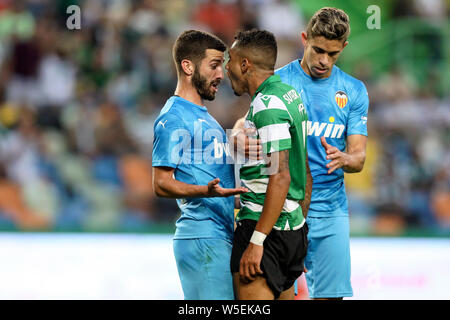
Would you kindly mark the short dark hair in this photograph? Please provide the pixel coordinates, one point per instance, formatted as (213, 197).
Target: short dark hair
(192, 45)
(261, 40)
(330, 23)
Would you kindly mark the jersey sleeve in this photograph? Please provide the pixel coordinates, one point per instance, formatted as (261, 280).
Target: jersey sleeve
(357, 120)
(170, 141)
(272, 120)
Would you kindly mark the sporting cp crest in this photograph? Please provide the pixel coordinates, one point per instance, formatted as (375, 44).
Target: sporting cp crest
(341, 99)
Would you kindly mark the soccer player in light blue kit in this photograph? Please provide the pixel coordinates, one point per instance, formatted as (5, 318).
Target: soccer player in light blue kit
(191, 162)
(337, 106)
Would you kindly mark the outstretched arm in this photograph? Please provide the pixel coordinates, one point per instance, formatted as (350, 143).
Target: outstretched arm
(165, 185)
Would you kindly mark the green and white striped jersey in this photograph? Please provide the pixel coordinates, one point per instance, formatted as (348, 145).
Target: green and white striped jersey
(278, 114)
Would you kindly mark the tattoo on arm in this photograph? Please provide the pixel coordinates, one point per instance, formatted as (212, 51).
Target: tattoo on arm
(277, 162)
(283, 160)
(308, 190)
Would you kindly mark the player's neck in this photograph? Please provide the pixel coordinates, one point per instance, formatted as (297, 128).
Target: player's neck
(186, 91)
(256, 80)
(305, 67)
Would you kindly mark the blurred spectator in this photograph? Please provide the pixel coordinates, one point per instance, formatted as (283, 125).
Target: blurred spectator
(136, 174)
(222, 18)
(15, 21)
(176, 14)
(431, 9)
(440, 192)
(283, 18)
(19, 150)
(22, 85)
(146, 17)
(56, 78)
(27, 191)
(111, 135)
(394, 86)
(13, 207)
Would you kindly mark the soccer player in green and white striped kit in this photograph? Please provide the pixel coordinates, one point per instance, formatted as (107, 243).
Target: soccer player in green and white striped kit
(270, 240)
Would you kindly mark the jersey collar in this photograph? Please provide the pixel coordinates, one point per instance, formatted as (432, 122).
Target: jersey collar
(272, 79)
(202, 108)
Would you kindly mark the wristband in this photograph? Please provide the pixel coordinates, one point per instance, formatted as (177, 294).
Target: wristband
(258, 238)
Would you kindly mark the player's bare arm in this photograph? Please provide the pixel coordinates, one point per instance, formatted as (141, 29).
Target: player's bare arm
(352, 160)
(277, 190)
(165, 185)
(308, 190)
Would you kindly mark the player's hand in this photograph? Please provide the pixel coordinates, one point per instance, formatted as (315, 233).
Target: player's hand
(250, 263)
(338, 158)
(245, 144)
(215, 190)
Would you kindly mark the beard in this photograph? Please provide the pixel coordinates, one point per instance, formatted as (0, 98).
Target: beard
(203, 87)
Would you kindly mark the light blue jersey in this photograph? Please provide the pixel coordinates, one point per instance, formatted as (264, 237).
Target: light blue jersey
(188, 139)
(337, 107)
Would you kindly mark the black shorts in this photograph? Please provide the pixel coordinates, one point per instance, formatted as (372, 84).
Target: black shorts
(284, 253)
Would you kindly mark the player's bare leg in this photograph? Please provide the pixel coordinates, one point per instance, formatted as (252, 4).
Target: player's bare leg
(288, 294)
(255, 290)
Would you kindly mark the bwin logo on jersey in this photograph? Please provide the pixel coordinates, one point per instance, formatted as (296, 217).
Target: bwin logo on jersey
(330, 130)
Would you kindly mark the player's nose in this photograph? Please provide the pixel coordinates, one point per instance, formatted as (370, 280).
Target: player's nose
(324, 59)
(219, 74)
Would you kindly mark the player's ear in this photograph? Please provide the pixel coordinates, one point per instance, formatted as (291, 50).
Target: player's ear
(188, 67)
(304, 38)
(245, 64)
(345, 44)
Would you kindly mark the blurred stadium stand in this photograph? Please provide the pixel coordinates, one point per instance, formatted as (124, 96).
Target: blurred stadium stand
(77, 108)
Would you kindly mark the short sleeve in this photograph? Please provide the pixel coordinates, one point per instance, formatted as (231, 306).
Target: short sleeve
(272, 120)
(357, 120)
(171, 140)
